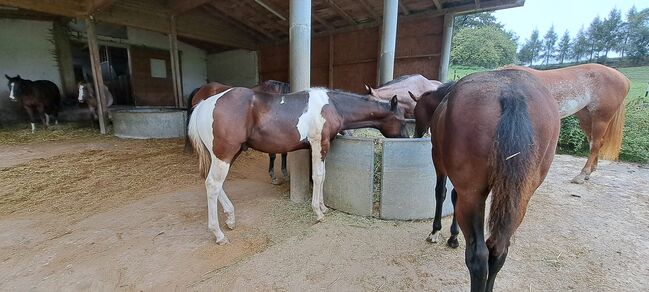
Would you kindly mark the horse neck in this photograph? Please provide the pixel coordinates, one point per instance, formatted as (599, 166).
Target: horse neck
(359, 111)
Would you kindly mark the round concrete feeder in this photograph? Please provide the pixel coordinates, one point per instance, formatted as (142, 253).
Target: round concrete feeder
(383, 178)
(149, 123)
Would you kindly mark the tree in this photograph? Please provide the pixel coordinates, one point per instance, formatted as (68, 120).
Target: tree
(549, 40)
(525, 54)
(611, 32)
(638, 30)
(487, 46)
(564, 47)
(476, 20)
(595, 37)
(535, 44)
(580, 45)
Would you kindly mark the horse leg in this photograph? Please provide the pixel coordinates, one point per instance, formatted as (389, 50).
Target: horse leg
(228, 209)
(284, 169)
(440, 196)
(598, 129)
(30, 113)
(214, 186)
(470, 215)
(44, 118)
(318, 174)
(271, 169)
(452, 241)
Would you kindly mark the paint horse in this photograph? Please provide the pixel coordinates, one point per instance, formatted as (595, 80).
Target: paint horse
(40, 97)
(227, 123)
(87, 95)
(400, 87)
(595, 95)
(492, 132)
(268, 86)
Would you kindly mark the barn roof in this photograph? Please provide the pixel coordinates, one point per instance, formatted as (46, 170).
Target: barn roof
(222, 24)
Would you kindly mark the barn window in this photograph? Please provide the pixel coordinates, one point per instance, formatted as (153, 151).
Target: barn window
(158, 68)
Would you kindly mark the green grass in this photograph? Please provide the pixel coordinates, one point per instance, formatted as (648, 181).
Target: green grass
(456, 71)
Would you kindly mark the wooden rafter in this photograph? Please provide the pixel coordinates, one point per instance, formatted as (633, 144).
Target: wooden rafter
(438, 5)
(341, 12)
(404, 9)
(322, 21)
(226, 15)
(93, 6)
(255, 34)
(65, 8)
(369, 9)
(182, 6)
(275, 17)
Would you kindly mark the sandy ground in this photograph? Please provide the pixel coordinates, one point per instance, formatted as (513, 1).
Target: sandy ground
(575, 237)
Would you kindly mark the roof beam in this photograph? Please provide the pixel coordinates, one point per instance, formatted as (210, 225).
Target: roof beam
(93, 6)
(369, 9)
(405, 9)
(182, 6)
(437, 4)
(226, 15)
(322, 21)
(341, 12)
(212, 11)
(272, 9)
(65, 8)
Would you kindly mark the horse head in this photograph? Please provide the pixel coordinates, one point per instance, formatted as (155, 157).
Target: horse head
(427, 103)
(85, 91)
(394, 124)
(15, 85)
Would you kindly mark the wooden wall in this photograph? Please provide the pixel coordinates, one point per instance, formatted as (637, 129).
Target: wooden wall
(347, 60)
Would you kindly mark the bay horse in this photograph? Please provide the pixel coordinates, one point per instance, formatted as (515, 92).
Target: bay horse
(595, 95)
(268, 86)
(492, 132)
(415, 83)
(41, 97)
(227, 123)
(87, 95)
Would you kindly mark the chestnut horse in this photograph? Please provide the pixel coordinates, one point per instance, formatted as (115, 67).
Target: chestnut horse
(40, 96)
(492, 132)
(400, 87)
(595, 95)
(213, 88)
(226, 123)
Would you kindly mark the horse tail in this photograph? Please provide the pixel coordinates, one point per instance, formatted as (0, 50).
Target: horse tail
(512, 160)
(204, 159)
(190, 109)
(612, 142)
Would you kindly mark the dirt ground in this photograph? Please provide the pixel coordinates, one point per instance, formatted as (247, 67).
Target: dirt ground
(118, 214)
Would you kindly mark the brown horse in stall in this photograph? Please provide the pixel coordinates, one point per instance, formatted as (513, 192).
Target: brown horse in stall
(41, 97)
(213, 88)
(595, 95)
(227, 123)
(492, 132)
(415, 83)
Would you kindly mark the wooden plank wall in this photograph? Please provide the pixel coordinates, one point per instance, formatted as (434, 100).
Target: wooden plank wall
(355, 55)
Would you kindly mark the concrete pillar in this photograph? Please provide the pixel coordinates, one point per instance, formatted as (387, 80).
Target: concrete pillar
(175, 63)
(388, 40)
(96, 71)
(445, 58)
(300, 75)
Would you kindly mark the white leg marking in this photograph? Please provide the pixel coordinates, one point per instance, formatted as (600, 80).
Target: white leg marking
(214, 186)
(434, 237)
(47, 120)
(81, 93)
(11, 91)
(33, 128)
(318, 173)
(228, 209)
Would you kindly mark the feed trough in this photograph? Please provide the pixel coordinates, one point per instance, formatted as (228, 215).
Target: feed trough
(149, 122)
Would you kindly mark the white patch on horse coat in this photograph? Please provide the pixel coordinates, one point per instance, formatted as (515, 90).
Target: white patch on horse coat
(282, 102)
(570, 105)
(81, 93)
(311, 122)
(11, 91)
(33, 128)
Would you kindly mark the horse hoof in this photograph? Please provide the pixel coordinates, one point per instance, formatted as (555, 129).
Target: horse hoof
(324, 209)
(580, 179)
(452, 242)
(231, 224)
(433, 237)
(276, 182)
(320, 219)
(223, 241)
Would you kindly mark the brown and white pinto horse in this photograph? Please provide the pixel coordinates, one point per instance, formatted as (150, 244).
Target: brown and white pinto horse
(87, 94)
(492, 132)
(213, 88)
(224, 124)
(400, 87)
(40, 96)
(595, 95)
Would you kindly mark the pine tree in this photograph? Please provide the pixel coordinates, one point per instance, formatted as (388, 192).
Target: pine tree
(549, 40)
(580, 45)
(611, 33)
(564, 47)
(535, 45)
(595, 37)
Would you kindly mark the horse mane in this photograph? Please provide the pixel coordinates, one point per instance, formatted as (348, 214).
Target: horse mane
(398, 79)
(444, 89)
(283, 86)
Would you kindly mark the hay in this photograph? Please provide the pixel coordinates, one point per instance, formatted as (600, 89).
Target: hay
(80, 184)
(21, 134)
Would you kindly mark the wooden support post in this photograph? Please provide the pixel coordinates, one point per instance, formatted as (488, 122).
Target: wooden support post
(175, 64)
(96, 71)
(331, 61)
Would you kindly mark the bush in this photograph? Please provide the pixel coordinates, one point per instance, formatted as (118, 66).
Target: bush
(572, 139)
(635, 144)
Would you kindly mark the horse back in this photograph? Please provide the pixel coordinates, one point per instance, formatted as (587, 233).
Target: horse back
(47, 93)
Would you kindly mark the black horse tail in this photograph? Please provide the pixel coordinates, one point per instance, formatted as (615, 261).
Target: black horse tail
(512, 161)
(190, 108)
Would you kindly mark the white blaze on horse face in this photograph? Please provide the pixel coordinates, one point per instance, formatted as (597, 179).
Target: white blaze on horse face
(311, 122)
(11, 91)
(81, 93)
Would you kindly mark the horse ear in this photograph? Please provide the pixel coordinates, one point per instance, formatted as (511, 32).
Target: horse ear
(7, 76)
(412, 96)
(368, 88)
(18, 76)
(394, 102)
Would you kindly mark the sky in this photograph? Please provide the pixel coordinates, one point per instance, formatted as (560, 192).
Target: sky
(564, 14)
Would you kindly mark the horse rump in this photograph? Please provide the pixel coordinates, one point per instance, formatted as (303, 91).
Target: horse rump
(204, 159)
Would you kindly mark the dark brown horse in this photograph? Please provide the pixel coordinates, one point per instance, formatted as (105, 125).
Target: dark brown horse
(227, 123)
(41, 97)
(415, 83)
(213, 88)
(492, 132)
(595, 95)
